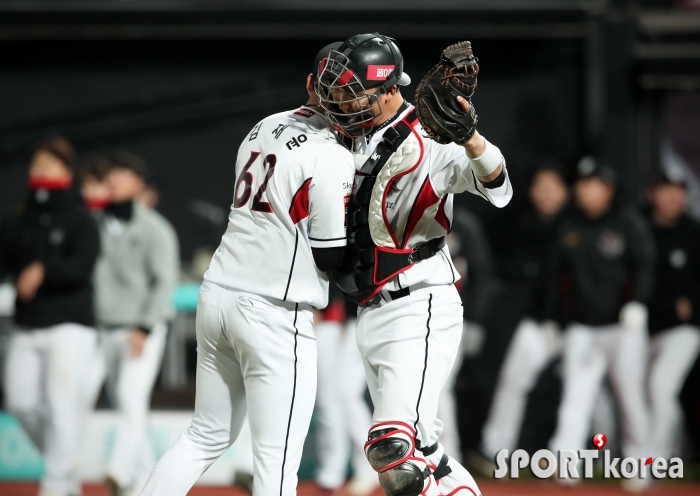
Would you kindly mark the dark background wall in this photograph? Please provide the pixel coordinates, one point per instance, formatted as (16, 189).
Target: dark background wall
(185, 105)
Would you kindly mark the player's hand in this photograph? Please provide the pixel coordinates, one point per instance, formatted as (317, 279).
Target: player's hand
(29, 281)
(137, 340)
(684, 309)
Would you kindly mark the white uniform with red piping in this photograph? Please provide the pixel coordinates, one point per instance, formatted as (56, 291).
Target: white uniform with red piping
(256, 348)
(409, 344)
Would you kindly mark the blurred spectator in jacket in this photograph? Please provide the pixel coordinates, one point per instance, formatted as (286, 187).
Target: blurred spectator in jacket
(674, 308)
(533, 345)
(50, 250)
(601, 280)
(135, 277)
(94, 187)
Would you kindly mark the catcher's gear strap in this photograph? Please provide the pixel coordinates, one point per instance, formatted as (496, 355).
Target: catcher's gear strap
(488, 161)
(389, 263)
(442, 469)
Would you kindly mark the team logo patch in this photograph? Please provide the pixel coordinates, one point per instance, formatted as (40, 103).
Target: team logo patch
(304, 112)
(611, 244)
(379, 72)
(678, 258)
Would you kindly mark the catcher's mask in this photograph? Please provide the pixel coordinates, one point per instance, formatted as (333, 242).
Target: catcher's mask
(361, 63)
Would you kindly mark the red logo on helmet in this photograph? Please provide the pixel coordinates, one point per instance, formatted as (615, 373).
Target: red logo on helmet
(379, 72)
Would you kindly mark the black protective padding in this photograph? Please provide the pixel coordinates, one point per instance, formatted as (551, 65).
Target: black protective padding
(389, 263)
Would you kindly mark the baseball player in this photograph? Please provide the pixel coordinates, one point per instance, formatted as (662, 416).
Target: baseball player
(673, 308)
(601, 277)
(399, 270)
(533, 345)
(255, 339)
(50, 249)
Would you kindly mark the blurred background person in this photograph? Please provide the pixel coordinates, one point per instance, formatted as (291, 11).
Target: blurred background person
(533, 345)
(333, 441)
(50, 250)
(599, 283)
(135, 277)
(472, 258)
(93, 185)
(674, 309)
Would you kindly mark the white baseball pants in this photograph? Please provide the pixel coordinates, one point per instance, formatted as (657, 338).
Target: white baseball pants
(255, 355)
(342, 412)
(590, 353)
(529, 352)
(447, 409)
(409, 346)
(672, 354)
(130, 382)
(44, 388)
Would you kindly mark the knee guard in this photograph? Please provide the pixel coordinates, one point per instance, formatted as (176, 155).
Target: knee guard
(391, 452)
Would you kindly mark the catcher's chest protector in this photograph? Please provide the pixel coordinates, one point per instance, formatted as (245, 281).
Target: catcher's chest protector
(378, 255)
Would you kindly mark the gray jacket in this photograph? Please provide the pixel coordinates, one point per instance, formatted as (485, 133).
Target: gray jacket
(137, 270)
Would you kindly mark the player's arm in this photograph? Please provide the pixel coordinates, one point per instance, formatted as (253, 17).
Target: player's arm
(329, 194)
(452, 171)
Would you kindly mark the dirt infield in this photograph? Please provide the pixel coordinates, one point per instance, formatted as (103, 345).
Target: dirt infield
(488, 488)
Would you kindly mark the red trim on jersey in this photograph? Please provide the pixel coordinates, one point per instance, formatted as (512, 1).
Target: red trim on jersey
(412, 125)
(300, 203)
(441, 216)
(425, 199)
(345, 77)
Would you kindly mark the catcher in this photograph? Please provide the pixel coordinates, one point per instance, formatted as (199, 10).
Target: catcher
(410, 161)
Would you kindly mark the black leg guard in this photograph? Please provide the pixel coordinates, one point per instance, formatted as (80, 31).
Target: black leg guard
(390, 451)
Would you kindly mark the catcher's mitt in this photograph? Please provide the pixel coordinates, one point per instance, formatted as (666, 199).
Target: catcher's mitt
(439, 113)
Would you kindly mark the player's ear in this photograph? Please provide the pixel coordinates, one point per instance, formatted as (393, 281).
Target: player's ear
(310, 84)
(391, 92)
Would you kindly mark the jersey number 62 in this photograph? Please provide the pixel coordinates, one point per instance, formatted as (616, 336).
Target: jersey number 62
(246, 178)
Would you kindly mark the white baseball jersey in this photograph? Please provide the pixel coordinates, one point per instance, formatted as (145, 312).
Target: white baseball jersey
(418, 206)
(293, 185)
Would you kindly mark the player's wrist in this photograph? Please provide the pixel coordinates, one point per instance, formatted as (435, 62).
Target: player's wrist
(486, 164)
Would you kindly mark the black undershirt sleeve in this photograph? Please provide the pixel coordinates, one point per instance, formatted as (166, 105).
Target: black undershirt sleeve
(328, 259)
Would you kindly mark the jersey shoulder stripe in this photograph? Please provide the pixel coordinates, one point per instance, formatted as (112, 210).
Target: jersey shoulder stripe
(299, 210)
